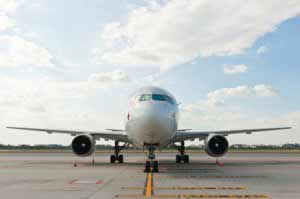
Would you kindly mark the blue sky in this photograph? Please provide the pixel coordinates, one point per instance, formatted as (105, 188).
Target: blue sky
(73, 64)
(279, 66)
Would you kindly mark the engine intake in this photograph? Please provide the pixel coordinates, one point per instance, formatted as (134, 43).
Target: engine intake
(216, 145)
(83, 145)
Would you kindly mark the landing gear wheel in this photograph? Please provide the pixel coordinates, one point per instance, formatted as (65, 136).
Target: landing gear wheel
(155, 167)
(178, 159)
(113, 159)
(120, 159)
(182, 156)
(115, 156)
(147, 166)
(186, 159)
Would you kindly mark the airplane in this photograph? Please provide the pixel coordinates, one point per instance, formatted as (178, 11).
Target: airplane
(151, 123)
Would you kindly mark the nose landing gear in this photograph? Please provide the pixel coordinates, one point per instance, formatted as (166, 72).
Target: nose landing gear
(151, 165)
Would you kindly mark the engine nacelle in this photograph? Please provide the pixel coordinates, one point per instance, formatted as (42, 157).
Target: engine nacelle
(216, 145)
(83, 145)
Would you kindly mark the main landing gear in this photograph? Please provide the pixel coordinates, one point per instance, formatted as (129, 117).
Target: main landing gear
(151, 165)
(182, 157)
(116, 157)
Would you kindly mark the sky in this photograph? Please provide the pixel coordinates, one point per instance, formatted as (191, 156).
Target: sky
(74, 64)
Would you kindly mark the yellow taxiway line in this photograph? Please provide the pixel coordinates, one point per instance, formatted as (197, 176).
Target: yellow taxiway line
(188, 188)
(149, 183)
(191, 196)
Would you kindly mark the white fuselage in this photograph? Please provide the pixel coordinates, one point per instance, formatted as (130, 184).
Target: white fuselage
(152, 117)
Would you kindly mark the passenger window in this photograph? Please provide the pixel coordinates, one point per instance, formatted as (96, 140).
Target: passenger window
(145, 98)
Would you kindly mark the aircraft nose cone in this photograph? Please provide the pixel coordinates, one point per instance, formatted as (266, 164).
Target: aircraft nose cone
(158, 121)
(156, 116)
(153, 123)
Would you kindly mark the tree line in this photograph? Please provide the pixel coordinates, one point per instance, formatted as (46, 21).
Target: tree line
(110, 147)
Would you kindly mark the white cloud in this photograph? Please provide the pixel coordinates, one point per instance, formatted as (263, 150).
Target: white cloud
(109, 77)
(229, 118)
(15, 51)
(42, 94)
(178, 31)
(265, 90)
(235, 69)
(207, 115)
(6, 22)
(262, 50)
(217, 98)
(8, 6)
(241, 91)
(52, 103)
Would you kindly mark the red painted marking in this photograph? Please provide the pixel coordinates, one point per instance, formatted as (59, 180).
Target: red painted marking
(221, 164)
(72, 181)
(128, 116)
(99, 182)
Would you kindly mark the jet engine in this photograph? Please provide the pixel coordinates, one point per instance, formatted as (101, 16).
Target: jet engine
(216, 145)
(83, 145)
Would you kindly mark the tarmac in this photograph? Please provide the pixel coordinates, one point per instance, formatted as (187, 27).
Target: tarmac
(238, 175)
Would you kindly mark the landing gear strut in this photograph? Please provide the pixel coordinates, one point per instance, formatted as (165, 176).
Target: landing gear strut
(116, 157)
(151, 162)
(182, 157)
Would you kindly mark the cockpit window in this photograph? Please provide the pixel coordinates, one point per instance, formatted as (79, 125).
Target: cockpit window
(170, 99)
(157, 97)
(146, 97)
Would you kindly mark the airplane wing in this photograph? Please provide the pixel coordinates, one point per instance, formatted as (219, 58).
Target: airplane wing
(189, 135)
(122, 137)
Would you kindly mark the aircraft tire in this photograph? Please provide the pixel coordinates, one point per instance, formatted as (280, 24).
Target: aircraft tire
(147, 166)
(112, 159)
(178, 159)
(155, 167)
(121, 159)
(186, 159)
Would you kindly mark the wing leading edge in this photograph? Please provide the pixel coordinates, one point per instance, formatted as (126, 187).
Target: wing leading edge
(187, 135)
(179, 136)
(103, 134)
